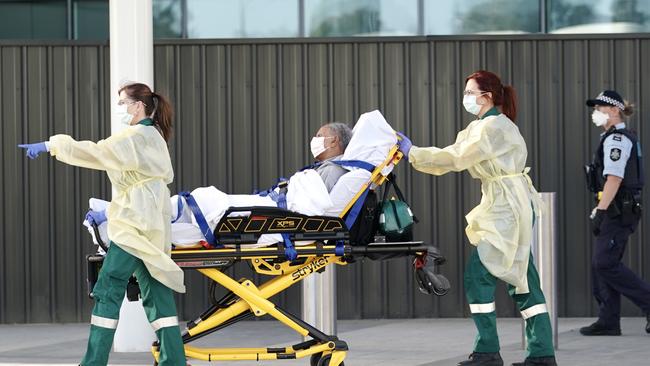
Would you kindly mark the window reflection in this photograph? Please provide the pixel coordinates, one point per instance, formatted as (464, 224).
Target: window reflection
(167, 18)
(481, 16)
(332, 18)
(598, 16)
(33, 19)
(90, 19)
(242, 18)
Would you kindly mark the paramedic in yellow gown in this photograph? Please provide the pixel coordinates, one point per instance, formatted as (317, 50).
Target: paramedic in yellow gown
(500, 227)
(139, 167)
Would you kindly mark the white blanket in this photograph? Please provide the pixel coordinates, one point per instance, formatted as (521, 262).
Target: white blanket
(371, 141)
(306, 194)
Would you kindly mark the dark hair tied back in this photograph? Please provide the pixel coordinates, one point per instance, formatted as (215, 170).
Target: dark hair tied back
(156, 106)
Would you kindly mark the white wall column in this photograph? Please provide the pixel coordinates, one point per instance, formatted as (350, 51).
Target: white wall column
(131, 59)
(131, 47)
(319, 300)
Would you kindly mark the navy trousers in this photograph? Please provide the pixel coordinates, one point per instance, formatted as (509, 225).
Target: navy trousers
(611, 278)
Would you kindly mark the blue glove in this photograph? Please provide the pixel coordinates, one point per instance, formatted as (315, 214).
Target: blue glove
(404, 144)
(96, 217)
(34, 149)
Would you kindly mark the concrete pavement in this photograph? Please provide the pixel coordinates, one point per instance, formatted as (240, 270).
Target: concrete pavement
(412, 342)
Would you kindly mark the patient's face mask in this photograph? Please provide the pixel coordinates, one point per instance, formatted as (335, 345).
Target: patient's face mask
(599, 118)
(318, 145)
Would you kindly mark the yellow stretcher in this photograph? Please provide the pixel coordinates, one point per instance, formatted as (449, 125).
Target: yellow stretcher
(245, 299)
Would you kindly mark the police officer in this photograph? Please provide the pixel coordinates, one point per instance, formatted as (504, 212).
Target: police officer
(616, 177)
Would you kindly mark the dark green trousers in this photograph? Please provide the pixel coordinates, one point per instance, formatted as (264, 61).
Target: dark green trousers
(157, 299)
(479, 289)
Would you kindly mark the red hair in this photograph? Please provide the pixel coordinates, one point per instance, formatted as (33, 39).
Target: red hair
(502, 96)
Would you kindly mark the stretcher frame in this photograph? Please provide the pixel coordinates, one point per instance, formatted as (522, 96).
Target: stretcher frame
(245, 299)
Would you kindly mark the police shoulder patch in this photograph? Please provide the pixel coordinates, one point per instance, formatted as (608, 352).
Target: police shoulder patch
(617, 138)
(615, 154)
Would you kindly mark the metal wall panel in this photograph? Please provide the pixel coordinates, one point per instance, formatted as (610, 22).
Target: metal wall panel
(245, 111)
(13, 295)
(47, 90)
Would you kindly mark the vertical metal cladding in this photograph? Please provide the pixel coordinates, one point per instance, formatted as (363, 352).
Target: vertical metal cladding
(245, 111)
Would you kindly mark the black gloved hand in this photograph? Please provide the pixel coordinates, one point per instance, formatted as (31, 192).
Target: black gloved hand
(597, 216)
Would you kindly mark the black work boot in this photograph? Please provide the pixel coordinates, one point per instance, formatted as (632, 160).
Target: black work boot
(537, 361)
(597, 329)
(647, 325)
(483, 359)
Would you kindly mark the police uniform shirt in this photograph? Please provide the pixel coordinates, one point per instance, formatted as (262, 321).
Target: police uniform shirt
(616, 150)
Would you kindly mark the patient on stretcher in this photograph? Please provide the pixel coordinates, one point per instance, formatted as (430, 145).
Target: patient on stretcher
(344, 161)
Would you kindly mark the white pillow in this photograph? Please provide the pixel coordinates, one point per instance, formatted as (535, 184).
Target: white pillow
(372, 139)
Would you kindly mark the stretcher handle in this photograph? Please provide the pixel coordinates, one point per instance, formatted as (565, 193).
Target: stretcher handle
(98, 237)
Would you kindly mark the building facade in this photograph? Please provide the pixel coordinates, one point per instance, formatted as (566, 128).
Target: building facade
(197, 19)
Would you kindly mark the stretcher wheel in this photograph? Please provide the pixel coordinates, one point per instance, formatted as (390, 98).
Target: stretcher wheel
(313, 360)
(431, 283)
(325, 361)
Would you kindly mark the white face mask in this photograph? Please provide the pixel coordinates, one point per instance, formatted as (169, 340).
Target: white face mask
(317, 145)
(122, 115)
(599, 118)
(469, 102)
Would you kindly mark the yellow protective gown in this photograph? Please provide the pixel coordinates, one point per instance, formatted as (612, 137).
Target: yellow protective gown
(492, 150)
(138, 165)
